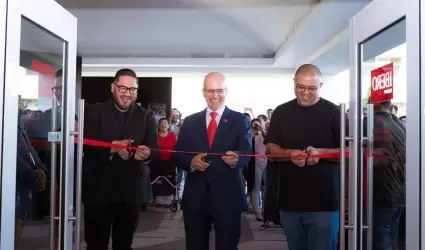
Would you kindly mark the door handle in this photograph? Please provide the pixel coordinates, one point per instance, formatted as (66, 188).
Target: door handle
(53, 158)
(342, 179)
(78, 203)
(369, 176)
(342, 156)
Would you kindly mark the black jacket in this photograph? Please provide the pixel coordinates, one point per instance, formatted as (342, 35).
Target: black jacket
(111, 179)
(389, 143)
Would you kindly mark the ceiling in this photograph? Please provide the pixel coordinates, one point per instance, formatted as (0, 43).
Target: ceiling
(239, 34)
(184, 29)
(386, 44)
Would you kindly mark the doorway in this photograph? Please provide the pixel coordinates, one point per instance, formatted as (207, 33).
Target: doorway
(38, 126)
(384, 187)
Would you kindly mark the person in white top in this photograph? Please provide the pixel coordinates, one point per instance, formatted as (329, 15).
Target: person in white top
(258, 133)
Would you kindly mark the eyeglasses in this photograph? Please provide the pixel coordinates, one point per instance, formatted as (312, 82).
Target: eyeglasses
(213, 91)
(303, 88)
(57, 90)
(123, 89)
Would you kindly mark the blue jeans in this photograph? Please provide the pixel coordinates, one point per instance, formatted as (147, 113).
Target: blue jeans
(311, 230)
(179, 175)
(257, 200)
(386, 223)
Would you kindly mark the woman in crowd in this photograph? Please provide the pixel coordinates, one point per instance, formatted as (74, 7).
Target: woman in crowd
(260, 163)
(162, 189)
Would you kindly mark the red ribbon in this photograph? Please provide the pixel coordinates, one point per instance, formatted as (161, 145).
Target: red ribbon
(96, 143)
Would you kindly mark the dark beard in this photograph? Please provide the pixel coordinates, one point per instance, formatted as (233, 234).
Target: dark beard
(120, 107)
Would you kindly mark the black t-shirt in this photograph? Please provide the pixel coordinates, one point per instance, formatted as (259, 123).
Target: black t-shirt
(389, 141)
(311, 188)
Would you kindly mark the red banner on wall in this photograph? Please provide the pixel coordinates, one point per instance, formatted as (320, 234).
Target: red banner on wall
(46, 78)
(382, 82)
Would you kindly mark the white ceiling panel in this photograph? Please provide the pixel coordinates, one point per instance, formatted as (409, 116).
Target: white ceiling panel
(335, 59)
(287, 32)
(163, 4)
(184, 28)
(161, 33)
(325, 21)
(267, 25)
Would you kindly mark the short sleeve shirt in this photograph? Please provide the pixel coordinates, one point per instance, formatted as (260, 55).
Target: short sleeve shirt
(311, 188)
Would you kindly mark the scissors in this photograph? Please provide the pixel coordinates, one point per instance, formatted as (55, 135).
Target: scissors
(308, 155)
(132, 151)
(206, 159)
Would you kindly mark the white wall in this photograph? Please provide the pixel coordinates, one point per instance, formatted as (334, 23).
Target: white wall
(336, 88)
(256, 92)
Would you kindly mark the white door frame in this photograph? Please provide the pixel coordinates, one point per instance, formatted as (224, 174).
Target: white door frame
(49, 15)
(371, 20)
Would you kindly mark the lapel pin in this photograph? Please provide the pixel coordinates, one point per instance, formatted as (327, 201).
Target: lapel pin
(225, 120)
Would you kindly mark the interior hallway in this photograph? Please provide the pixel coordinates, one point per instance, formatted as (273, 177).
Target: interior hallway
(160, 229)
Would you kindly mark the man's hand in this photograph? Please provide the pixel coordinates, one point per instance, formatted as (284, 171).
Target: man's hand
(143, 153)
(198, 163)
(298, 157)
(122, 152)
(230, 158)
(312, 160)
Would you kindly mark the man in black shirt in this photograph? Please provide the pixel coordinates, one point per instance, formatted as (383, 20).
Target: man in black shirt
(389, 189)
(111, 177)
(309, 186)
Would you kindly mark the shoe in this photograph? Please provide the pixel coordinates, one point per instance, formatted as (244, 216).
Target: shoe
(258, 217)
(265, 225)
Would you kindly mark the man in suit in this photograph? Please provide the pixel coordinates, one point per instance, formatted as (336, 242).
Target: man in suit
(111, 176)
(214, 192)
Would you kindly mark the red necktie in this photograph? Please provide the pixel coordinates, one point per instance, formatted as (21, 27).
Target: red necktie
(212, 128)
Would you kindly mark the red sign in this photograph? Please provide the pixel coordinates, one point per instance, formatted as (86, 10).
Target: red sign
(382, 82)
(46, 78)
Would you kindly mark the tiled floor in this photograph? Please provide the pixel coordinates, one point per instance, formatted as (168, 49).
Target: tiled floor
(160, 229)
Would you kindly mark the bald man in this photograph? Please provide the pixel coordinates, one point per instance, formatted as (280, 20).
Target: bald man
(214, 192)
(309, 186)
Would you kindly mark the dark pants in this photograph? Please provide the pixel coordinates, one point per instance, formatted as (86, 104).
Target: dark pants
(311, 230)
(386, 222)
(249, 174)
(197, 227)
(98, 221)
(271, 210)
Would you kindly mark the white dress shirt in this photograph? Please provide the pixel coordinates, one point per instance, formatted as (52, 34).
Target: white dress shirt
(218, 116)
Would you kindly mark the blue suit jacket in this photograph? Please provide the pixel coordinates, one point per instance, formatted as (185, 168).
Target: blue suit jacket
(219, 188)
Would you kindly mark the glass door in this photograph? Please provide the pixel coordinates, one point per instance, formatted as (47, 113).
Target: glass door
(384, 150)
(37, 198)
